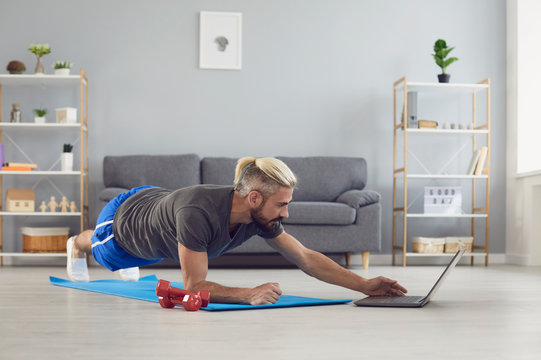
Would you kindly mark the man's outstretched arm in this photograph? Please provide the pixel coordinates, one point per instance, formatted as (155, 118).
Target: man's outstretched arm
(194, 267)
(321, 267)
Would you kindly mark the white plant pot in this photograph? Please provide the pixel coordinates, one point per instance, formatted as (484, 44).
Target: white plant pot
(62, 72)
(66, 162)
(39, 119)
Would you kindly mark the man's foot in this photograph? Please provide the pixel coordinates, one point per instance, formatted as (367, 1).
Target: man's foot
(76, 267)
(129, 274)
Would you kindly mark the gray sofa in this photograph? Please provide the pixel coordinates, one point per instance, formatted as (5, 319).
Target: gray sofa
(331, 211)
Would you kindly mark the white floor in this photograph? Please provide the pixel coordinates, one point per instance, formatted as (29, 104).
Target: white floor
(479, 313)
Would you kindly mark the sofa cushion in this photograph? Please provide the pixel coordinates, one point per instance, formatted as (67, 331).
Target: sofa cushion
(325, 178)
(359, 198)
(320, 213)
(167, 171)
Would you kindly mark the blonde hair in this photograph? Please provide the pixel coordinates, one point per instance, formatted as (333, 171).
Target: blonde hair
(265, 175)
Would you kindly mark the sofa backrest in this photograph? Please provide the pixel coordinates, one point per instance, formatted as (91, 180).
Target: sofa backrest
(167, 171)
(218, 170)
(320, 178)
(324, 178)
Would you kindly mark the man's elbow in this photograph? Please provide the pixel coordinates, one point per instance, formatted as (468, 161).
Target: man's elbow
(194, 286)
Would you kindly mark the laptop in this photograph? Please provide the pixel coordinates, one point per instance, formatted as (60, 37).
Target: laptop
(410, 301)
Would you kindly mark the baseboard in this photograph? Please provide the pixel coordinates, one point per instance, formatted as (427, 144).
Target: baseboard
(387, 259)
(523, 260)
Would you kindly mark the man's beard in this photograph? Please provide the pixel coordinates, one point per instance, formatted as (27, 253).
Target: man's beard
(268, 226)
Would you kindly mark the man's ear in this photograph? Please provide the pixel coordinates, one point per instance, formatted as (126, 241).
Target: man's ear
(255, 198)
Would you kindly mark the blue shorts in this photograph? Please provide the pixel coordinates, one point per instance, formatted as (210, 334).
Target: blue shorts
(105, 249)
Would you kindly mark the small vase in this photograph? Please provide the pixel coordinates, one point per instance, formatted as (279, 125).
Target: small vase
(39, 119)
(39, 67)
(66, 163)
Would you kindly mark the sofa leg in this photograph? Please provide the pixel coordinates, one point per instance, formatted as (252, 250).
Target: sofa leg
(348, 259)
(366, 259)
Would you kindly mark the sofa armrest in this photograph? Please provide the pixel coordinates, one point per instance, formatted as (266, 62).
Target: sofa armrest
(359, 198)
(110, 193)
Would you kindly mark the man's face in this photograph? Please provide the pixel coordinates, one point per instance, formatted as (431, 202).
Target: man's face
(272, 210)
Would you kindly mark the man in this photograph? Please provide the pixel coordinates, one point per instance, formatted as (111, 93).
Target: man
(193, 224)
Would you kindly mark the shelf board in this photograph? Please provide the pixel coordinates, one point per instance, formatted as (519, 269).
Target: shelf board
(412, 254)
(41, 173)
(439, 87)
(446, 215)
(33, 254)
(10, 213)
(445, 131)
(41, 79)
(29, 125)
(446, 176)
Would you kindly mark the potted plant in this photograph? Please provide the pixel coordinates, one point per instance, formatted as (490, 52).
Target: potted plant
(16, 67)
(39, 50)
(40, 115)
(441, 51)
(62, 67)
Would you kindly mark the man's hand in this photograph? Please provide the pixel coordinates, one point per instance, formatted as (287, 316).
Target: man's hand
(381, 286)
(267, 293)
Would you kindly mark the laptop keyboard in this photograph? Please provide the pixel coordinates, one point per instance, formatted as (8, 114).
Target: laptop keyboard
(398, 299)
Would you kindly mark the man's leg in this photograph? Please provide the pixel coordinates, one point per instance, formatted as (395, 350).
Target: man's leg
(77, 248)
(82, 244)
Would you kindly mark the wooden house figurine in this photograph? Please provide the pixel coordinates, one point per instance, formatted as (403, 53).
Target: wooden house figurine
(20, 200)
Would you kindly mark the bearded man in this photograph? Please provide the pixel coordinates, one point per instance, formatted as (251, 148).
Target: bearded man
(191, 225)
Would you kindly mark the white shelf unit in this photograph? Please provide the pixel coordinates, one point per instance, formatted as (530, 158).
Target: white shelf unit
(401, 129)
(51, 82)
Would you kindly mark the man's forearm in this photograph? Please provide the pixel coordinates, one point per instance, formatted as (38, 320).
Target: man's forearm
(325, 269)
(223, 294)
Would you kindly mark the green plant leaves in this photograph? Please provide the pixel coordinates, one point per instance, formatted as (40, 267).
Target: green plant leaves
(449, 61)
(440, 44)
(441, 51)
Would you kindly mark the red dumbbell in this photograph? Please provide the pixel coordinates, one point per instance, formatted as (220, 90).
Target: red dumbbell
(170, 296)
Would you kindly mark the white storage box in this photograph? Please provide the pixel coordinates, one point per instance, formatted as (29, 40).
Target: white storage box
(67, 115)
(45, 239)
(443, 200)
(427, 245)
(455, 243)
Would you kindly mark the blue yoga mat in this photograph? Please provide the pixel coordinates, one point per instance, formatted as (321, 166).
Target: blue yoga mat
(145, 288)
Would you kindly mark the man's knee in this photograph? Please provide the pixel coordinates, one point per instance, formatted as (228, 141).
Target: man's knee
(84, 240)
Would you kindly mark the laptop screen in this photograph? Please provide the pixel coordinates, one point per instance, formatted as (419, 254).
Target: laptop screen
(446, 272)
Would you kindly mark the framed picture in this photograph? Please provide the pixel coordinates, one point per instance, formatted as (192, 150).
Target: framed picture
(220, 40)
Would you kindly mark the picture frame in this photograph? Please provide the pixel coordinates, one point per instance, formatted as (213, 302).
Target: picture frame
(220, 40)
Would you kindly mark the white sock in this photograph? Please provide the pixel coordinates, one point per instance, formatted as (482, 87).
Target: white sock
(76, 267)
(129, 274)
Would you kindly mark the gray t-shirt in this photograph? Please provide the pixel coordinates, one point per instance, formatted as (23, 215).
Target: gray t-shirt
(150, 223)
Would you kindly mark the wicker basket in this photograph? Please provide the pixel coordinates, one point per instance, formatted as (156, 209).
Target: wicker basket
(428, 245)
(455, 243)
(45, 240)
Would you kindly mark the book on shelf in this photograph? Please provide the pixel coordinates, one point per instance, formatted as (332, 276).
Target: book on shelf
(19, 164)
(482, 160)
(16, 168)
(473, 162)
(427, 124)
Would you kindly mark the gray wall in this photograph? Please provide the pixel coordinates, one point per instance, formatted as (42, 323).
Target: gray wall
(316, 80)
